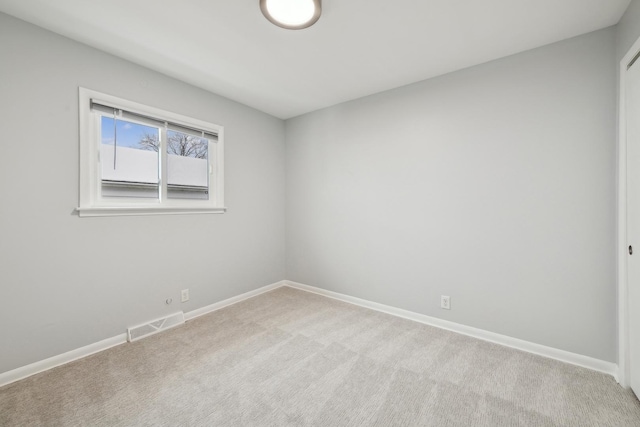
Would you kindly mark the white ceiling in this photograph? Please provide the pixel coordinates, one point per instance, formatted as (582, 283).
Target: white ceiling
(357, 48)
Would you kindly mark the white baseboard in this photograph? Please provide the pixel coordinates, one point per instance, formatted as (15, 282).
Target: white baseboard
(541, 350)
(61, 359)
(233, 300)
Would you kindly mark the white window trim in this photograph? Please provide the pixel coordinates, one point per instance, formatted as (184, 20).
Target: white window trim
(91, 203)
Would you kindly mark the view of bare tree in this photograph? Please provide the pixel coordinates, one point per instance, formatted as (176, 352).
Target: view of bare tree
(177, 143)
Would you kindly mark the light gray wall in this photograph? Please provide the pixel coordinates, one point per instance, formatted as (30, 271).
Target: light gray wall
(628, 29)
(67, 281)
(494, 185)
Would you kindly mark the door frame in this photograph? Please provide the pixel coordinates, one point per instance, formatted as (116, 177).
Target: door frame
(622, 261)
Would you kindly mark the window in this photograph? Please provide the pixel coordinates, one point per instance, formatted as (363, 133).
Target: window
(139, 160)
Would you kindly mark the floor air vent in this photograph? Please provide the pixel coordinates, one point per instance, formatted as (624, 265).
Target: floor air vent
(142, 331)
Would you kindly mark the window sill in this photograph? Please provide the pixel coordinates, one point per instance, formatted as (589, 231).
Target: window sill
(145, 210)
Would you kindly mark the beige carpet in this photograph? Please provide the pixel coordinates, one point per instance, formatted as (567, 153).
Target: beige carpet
(290, 357)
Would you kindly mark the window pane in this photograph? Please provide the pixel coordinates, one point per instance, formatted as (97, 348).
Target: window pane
(129, 159)
(187, 166)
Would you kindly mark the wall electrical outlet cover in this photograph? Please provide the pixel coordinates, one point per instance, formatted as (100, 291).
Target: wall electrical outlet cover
(185, 295)
(445, 302)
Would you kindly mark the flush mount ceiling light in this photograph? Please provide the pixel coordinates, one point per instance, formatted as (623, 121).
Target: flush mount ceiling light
(292, 14)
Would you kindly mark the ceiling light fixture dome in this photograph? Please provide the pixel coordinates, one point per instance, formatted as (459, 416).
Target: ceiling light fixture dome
(292, 14)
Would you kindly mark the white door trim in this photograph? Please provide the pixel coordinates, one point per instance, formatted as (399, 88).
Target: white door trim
(623, 312)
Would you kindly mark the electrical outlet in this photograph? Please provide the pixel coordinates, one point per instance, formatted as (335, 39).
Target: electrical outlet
(445, 302)
(185, 295)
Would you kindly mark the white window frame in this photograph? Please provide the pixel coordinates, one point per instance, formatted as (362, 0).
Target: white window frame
(91, 201)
